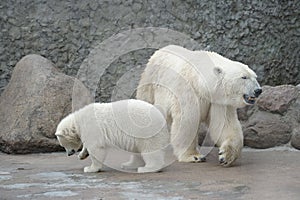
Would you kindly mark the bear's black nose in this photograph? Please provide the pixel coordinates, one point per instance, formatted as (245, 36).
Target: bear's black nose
(71, 152)
(257, 92)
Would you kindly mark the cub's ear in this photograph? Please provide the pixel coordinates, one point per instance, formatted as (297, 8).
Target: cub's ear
(68, 134)
(59, 133)
(218, 71)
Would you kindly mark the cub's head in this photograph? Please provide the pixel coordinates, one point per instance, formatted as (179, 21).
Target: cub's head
(236, 84)
(68, 136)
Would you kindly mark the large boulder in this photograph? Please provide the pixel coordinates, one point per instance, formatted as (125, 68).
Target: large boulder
(295, 140)
(264, 130)
(295, 112)
(277, 99)
(37, 97)
(274, 120)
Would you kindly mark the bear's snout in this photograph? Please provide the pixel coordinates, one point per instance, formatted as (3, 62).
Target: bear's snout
(257, 92)
(70, 153)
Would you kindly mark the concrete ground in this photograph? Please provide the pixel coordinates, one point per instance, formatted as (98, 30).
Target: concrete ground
(272, 174)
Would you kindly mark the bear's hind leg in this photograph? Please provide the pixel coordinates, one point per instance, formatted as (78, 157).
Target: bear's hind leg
(154, 161)
(134, 162)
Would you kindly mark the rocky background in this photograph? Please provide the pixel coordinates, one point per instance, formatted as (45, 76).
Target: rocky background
(263, 34)
(275, 118)
(35, 100)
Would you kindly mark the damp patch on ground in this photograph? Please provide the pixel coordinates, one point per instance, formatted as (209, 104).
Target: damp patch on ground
(62, 185)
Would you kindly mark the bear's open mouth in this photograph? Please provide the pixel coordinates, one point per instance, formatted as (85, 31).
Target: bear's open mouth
(249, 99)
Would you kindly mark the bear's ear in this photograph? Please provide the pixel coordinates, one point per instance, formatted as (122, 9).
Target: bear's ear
(218, 71)
(62, 133)
(59, 133)
(68, 134)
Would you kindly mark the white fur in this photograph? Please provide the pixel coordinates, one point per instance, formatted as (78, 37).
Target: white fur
(191, 87)
(131, 125)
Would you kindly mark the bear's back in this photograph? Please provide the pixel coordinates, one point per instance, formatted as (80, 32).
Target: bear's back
(132, 125)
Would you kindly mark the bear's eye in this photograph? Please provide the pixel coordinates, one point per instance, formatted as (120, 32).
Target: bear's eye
(244, 77)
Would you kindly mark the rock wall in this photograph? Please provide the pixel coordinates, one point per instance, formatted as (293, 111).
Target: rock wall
(263, 34)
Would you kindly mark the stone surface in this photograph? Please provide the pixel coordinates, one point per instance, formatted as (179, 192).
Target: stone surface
(36, 99)
(277, 99)
(295, 140)
(294, 112)
(265, 130)
(257, 175)
(262, 34)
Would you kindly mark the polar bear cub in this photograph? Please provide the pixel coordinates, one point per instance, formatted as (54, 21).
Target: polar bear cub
(132, 125)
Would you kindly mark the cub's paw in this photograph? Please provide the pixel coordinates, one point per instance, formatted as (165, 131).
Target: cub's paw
(195, 158)
(227, 156)
(91, 169)
(148, 169)
(129, 165)
(133, 164)
(83, 155)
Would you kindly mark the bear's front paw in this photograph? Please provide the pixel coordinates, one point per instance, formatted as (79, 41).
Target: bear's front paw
(91, 169)
(83, 155)
(227, 156)
(193, 158)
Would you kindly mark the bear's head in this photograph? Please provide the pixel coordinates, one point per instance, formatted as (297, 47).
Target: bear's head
(68, 136)
(236, 83)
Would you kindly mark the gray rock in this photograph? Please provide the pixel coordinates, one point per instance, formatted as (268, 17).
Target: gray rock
(245, 113)
(277, 99)
(295, 140)
(265, 130)
(273, 119)
(36, 99)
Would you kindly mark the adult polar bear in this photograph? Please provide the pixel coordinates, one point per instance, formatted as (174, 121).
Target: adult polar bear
(192, 87)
